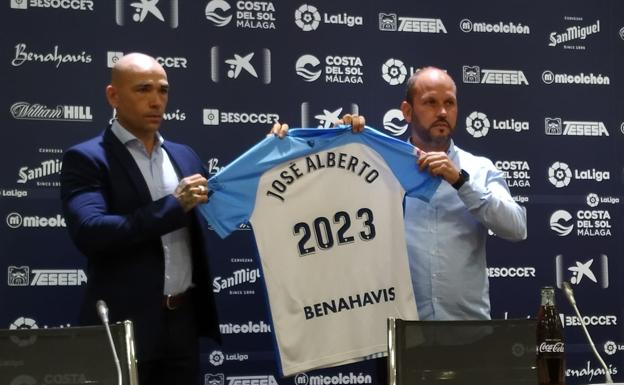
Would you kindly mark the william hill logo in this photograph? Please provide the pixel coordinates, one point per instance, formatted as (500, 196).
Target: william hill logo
(36, 111)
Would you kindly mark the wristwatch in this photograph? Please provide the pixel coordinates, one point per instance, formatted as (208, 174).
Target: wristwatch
(463, 178)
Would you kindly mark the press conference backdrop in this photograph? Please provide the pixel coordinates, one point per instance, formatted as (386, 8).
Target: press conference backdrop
(540, 93)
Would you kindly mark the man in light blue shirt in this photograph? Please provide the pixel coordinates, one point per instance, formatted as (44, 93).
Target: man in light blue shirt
(446, 238)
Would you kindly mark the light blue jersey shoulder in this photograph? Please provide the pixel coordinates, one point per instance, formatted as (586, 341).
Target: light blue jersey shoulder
(234, 188)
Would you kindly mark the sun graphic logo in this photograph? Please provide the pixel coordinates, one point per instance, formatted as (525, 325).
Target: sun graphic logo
(559, 174)
(216, 358)
(477, 124)
(307, 67)
(393, 72)
(561, 222)
(215, 17)
(307, 18)
(592, 200)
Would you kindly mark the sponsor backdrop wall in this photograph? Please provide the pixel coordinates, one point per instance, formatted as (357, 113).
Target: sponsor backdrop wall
(540, 92)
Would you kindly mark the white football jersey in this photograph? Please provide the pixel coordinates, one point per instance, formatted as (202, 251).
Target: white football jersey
(326, 211)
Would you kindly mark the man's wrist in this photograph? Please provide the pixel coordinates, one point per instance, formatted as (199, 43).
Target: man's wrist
(463, 178)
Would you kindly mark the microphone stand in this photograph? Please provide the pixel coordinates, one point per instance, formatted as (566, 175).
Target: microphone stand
(567, 289)
(102, 310)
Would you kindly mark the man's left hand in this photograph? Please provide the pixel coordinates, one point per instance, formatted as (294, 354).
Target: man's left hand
(438, 164)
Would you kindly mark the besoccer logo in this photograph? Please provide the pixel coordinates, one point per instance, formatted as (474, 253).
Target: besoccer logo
(477, 124)
(216, 18)
(559, 174)
(394, 72)
(561, 222)
(216, 358)
(306, 66)
(307, 17)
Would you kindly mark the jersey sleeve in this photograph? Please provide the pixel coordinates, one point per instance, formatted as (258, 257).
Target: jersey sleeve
(402, 159)
(234, 188)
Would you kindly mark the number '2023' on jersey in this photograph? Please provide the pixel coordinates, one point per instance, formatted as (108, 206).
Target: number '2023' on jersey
(325, 206)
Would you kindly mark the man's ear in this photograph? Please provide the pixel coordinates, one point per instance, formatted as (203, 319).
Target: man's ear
(111, 95)
(406, 109)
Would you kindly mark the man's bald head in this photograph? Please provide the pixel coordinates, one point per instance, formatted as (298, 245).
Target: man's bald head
(423, 76)
(134, 62)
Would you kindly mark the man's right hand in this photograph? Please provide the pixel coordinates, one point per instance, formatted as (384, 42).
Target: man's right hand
(357, 123)
(191, 191)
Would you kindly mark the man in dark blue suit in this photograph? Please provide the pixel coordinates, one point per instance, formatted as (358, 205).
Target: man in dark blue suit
(129, 198)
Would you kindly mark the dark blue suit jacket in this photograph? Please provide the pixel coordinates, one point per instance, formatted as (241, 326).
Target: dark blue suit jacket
(114, 222)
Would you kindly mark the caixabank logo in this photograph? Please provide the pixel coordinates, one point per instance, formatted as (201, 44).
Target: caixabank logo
(147, 11)
(240, 65)
(241, 14)
(560, 174)
(586, 271)
(324, 117)
(574, 34)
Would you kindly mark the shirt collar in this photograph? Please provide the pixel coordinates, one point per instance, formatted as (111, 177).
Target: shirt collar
(126, 137)
(452, 150)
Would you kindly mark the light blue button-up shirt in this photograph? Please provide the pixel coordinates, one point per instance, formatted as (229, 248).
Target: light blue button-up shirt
(446, 240)
(162, 179)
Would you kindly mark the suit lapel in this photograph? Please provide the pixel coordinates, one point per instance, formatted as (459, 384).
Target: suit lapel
(119, 151)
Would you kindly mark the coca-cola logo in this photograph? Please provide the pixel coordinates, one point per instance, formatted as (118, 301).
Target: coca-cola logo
(546, 347)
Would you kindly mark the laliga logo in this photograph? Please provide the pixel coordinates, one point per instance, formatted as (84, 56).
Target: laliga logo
(214, 17)
(216, 358)
(394, 72)
(559, 174)
(592, 200)
(560, 222)
(309, 75)
(477, 124)
(394, 122)
(307, 18)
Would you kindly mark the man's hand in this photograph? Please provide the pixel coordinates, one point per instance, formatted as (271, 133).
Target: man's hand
(438, 164)
(279, 130)
(191, 191)
(357, 122)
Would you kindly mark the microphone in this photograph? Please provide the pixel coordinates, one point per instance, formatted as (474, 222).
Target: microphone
(567, 290)
(102, 311)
